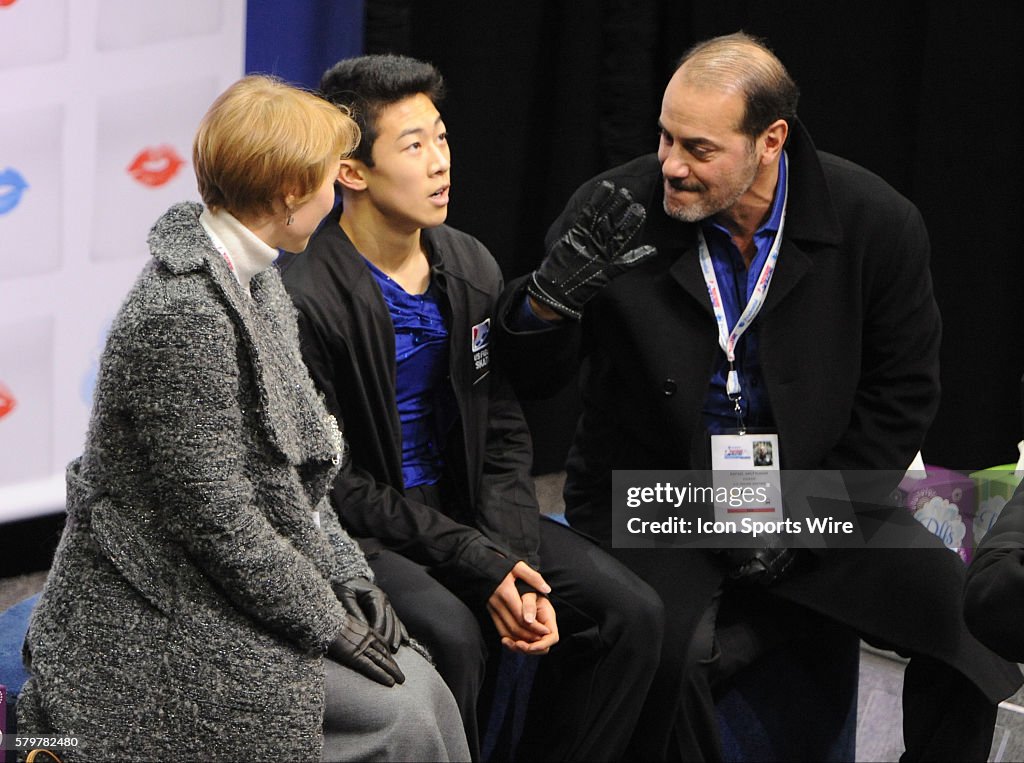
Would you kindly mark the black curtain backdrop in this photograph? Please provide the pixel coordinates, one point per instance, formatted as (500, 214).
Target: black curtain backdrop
(543, 94)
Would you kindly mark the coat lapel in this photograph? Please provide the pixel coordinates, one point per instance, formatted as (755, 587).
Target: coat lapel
(678, 242)
(687, 273)
(811, 220)
(793, 264)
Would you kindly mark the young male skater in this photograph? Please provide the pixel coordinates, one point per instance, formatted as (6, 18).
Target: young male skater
(395, 310)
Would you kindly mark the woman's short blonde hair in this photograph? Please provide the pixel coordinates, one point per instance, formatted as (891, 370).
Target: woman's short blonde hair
(263, 140)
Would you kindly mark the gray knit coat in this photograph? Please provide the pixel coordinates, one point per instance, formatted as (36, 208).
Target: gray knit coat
(189, 604)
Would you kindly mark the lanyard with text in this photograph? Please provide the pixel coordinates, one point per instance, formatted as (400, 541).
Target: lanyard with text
(727, 339)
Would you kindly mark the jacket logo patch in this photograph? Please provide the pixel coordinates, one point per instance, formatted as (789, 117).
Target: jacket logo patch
(481, 355)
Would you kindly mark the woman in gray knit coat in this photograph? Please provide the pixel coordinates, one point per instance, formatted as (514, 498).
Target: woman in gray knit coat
(204, 603)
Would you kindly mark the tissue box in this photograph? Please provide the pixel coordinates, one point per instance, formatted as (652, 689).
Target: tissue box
(944, 502)
(994, 486)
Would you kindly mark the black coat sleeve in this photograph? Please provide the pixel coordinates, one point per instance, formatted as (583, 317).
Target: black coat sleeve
(994, 592)
(371, 508)
(507, 503)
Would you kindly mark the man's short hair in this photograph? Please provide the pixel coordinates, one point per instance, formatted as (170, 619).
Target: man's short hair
(745, 63)
(367, 84)
(262, 140)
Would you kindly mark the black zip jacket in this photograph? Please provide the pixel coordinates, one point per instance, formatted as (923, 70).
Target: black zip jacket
(348, 344)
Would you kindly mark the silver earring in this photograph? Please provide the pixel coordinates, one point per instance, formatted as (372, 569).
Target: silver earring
(291, 219)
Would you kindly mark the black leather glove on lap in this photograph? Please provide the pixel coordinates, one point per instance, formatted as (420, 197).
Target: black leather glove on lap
(591, 253)
(359, 648)
(365, 601)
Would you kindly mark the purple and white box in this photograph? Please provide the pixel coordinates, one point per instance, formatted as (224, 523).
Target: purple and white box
(943, 501)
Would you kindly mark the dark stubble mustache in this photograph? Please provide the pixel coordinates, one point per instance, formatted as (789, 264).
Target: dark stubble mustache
(680, 185)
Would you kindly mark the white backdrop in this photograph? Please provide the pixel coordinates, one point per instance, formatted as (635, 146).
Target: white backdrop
(99, 100)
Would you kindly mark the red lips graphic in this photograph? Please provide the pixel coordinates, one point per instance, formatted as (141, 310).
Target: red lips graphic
(7, 401)
(155, 166)
(5, 3)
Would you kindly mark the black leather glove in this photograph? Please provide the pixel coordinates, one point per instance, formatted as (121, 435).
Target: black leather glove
(365, 601)
(591, 253)
(359, 648)
(761, 566)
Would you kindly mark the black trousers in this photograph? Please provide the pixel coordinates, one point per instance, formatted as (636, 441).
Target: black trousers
(589, 689)
(945, 716)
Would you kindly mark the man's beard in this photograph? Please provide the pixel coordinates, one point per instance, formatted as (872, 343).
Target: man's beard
(709, 203)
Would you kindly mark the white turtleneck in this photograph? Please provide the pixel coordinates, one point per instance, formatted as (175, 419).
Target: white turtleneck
(244, 251)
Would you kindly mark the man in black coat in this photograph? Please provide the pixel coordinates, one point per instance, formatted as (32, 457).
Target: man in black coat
(741, 280)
